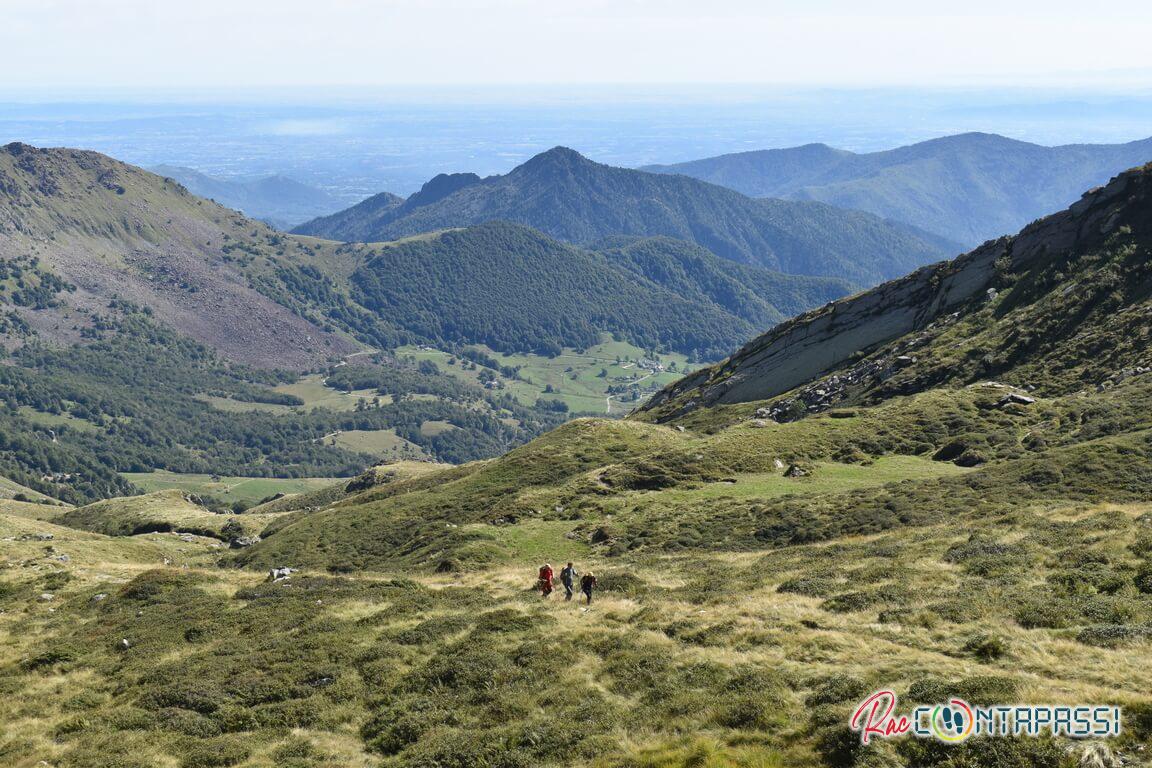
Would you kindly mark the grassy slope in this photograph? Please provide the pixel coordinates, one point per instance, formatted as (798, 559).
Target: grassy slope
(115, 230)
(726, 660)
(383, 474)
(9, 488)
(228, 489)
(643, 481)
(573, 375)
(741, 614)
(170, 510)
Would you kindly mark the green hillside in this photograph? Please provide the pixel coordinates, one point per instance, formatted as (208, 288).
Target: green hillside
(516, 290)
(938, 487)
(760, 296)
(972, 531)
(147, 329)
(1056, 309)
(967, 188)
(569, 197)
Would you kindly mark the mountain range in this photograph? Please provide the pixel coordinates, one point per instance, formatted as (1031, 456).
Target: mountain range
(515, 289)
(936, 488)
(144, 324)
(1060, 310)
(950, 470)
(277, 200)
(572, 198)
(104, 230)
(967, 188)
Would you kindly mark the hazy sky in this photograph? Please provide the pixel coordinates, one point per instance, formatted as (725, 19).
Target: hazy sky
(78, 44)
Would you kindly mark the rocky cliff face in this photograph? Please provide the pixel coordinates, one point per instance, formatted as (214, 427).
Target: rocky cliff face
(866, 339)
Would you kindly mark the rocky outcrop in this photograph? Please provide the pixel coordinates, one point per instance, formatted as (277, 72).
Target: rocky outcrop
(834, 341)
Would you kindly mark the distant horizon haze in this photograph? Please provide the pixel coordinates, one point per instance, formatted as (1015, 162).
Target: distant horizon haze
(221, 44)
(356, 142)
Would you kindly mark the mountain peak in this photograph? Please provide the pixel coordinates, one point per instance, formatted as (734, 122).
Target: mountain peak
(17, 148)
(556, 158)
(440, 186)
(971, 139)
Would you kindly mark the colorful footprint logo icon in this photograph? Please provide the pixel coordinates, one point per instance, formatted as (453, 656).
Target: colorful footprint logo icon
(953, 721)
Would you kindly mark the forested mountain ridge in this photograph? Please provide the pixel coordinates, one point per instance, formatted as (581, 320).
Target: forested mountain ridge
(515, 289)
(360, 223)
(968, 188)
(760, 296)
(572, 198)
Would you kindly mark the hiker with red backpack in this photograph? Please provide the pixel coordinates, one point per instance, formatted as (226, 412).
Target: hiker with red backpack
(545, 581)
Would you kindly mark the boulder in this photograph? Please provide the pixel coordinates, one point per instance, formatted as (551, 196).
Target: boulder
(602, 535)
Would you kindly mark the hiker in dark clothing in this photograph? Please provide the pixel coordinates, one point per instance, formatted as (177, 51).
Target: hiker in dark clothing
(568, 575)
(545, 580)
(586, 585)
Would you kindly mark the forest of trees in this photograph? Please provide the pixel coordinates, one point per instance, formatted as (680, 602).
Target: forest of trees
(516, 290)
(135, 394)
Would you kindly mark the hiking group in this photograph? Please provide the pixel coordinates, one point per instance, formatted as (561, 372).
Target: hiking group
(568, 576)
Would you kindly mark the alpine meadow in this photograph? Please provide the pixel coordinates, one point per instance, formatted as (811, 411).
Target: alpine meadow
(477, 384)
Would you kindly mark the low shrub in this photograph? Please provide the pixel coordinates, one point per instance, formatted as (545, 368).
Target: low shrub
(809, 586)
(929, 690)
(986, 690)
(432, 630)
(1044, 614)
(1114, 635)
(217, 753)
(835, 689)
(986, 647)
